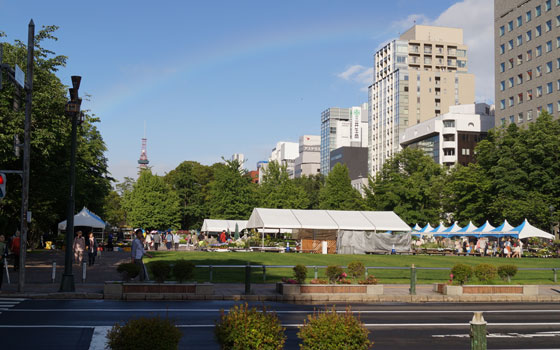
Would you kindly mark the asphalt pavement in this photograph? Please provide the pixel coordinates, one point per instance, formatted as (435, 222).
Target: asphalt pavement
(81, 324)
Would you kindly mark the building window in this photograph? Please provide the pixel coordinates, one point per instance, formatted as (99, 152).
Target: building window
(558, 63)
(549, 67)
(510, 26)
(529, 95)
(519, 59)
(451, 123)
(520, 117)
(511, 120)
(502, 85)
(558, 21)
(502, 49)
(547, 5)
(520, 98)
(530, 114)
(548, 46)
(519, 40)
(549, 88)
(538, 31)
(510, 101)
(528, 16)
(529, 55)
(510, 45)
(510, 82)
(538, 71)
(537, 11)
(502, 67)
(528, 36)
(548, 25)
(538, 51)
(549, 108)
(503, 122)
(502, 104)
(510, 63)
(539, 91)
(519, 21)
(558, 85)
(539, 110)
(519, 79)
(502, 31)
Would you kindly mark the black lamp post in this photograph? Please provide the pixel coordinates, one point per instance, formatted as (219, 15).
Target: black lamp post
(552, 208)
(73, 111)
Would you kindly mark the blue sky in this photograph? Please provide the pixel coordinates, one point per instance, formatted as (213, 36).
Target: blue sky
(213, 78)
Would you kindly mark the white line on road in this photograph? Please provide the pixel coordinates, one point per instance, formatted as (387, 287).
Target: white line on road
(503, 335)
(298, 311)
(99, 338)
(13, 299)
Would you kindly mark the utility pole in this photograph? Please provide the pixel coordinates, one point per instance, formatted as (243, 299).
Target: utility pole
(25, 215)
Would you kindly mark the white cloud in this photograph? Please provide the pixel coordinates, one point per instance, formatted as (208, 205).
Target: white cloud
(476, 18)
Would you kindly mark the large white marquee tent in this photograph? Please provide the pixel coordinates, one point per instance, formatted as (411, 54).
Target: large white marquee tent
(214, 225)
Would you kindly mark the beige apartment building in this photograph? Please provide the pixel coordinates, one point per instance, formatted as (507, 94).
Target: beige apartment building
(416, 77)
(527, 59)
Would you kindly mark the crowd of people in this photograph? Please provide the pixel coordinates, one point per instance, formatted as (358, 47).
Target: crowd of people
(502, 247)
(82, 245)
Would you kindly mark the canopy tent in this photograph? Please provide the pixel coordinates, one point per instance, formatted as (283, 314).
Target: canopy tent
(426, 229)
(416, 228)
(440, 228)
(213, 225)
(486, 227)
(449, 232)
(499, 231)
(85, 218)
(526, 230)
(469, 229)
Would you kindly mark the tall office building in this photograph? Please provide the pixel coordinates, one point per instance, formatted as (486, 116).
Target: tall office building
(416, 77)
(309, 160)
(527, 59)
(285, 153)
(342, 127)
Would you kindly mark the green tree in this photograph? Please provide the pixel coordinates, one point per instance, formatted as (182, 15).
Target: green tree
(338, 193)
(231, 194)
(113, 209)
(312, 186)
(277, 190)
(152, 203)
(190, 181)
(50, 145)
(410, 184)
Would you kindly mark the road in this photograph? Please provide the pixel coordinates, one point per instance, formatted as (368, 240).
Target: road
(80, 324)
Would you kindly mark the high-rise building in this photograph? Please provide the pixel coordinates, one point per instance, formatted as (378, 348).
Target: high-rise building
(527, 59)
(342, 127)
(240, 157)
(285, 153)
(416, 77)
(451, 138)
(309, 160)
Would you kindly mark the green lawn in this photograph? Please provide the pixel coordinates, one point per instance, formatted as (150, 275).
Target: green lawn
(236, 275)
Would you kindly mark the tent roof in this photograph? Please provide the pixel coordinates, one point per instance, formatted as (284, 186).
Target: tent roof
(440, 228)
(426, 228)
(452, 228)
(526, 230)
(469, 228)
(416, 228)
(486, 227)
(214, 225)
(84, 218)
(505, 227)
(326, 220)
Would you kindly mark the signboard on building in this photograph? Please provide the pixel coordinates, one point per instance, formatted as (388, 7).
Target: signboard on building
(356, 120)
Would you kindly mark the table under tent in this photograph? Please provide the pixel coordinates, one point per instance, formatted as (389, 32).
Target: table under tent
(87, 222)
(334, 231)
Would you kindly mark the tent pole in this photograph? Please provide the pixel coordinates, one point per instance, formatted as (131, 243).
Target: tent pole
(262, 238)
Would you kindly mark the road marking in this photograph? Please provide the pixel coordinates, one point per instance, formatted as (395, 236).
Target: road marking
(298, 311)
(503, 335)
(7, 303)
(12, 299)
(99, 338)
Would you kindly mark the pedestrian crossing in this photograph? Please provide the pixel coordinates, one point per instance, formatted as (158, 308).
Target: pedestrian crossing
(8, 303)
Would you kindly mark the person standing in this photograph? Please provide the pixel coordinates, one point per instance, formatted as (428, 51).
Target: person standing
(14, 248)
(91, 245)
(3, 254)
(157, 240)
(222, 237)
(169, 240)
(138, 253)
(79, 246)
(176, 240)
(148, 240)
(110, 242)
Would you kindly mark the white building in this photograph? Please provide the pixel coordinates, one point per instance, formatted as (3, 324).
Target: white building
(240, 157)
(309, 161)
(452, 137)
(342, 127)
(285, 153)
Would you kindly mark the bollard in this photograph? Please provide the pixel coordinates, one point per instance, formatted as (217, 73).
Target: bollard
(210, 269)
(367, 273)
(555, 275)
(84, 268)
(316, 272)
(412, 280)
(6, 269)
(478, 332)
(264, 273)
(248, 279)
(53, 276)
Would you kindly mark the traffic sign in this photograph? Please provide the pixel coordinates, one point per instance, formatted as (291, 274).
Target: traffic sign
(20, 77)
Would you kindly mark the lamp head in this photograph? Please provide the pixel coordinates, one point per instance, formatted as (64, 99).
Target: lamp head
(76, 79)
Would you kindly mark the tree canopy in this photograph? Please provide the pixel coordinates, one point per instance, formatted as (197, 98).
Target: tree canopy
(338, 193)
(278, 191)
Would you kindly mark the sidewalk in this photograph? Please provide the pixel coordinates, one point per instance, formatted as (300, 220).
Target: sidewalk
(39, 284)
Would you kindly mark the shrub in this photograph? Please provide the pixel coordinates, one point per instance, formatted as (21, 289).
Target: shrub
(162, 334)
(183, 270)
(300, 273)
(461, 273)
(318, 281)
(506, 272)
(331, 330)
(334, 273)
(247, 329)
(128, 271)
(356, 269)
(485, 272)
(161, 270)
(369, 280)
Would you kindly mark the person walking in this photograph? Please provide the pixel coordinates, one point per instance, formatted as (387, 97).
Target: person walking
(169, 240)
(14, 248)
(148, 240)
(3, 255)
(138, 253)
(91, 245)
(110, 242)
(176, 240)
(79, 246)
(157, 240)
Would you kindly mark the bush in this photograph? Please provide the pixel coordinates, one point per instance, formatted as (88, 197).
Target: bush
(485, 272)
(334, 273)
(247, 329)
(356, 269)
(128, 271)
(162, 334)
(300, 273)
(331, 330)
(507, 272)
(183, 270)
(318, 281)
(461, 273)
(370, 280)
(161, 270)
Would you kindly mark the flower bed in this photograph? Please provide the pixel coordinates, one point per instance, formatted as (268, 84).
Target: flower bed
(298, 289)
(446, 289)
(147, 290)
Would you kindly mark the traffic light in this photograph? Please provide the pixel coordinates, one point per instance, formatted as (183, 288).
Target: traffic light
(2, 185)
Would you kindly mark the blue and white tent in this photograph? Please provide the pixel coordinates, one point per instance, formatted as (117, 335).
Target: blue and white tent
(426, 229)
(526, 230)
(440, 228)
(500, 231)
(450, 231)
(416, 228)
(485, 228)
(85, 218)
(468, 230)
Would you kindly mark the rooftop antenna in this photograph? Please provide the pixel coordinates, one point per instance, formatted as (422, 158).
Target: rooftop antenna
(143, 161)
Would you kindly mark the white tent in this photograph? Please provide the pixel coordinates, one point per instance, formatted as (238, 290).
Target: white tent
(212, 225)
(526, 230)
(440, 228)
(416, 228)
(503, 228)
(85, 218)
(486, 227)
(469, 228)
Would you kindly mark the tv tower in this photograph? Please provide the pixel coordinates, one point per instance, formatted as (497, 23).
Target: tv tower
(143, 161)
